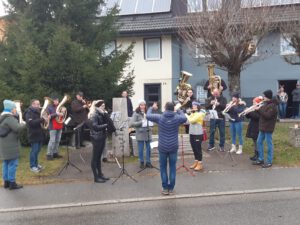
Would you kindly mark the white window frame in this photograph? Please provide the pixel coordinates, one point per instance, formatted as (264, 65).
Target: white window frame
(146, 52)
(210, 9)
(198, 51)
(194, 6)
(260, 3)
(288, 50)
(255, 41)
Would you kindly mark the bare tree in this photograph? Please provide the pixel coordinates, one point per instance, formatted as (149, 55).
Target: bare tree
(290, 31)
(226, 37)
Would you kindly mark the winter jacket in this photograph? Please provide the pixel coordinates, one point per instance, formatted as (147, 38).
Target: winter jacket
(168, 125)
(142, 133)
(79, 113)
(10, 145)
(253, 126)
(235, 110)
(283, 98)
(222, 100)
(268, 116)
(296, 95)
(33, 119)
(98, 125)
(53, 125)
(196, 123)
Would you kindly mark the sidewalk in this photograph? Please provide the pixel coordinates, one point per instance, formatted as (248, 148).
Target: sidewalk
(219, 176)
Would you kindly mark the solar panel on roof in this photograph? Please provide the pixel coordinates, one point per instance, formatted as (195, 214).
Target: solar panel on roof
(127, 7)
(144, 6)
(162, 6)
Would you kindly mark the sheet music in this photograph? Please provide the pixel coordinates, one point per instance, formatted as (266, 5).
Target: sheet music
(147, 123)
(213, 114)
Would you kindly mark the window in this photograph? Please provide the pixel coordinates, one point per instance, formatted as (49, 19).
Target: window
(109, 48)
(194, 6)
(201, 94)
(259, 3)
(214, 5)
(285, 47)
(253, 44)
(152, 93)
(152, 49)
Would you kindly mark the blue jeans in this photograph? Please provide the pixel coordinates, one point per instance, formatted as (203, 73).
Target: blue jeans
(214, 123)
(9, 169)
(236, 129)
(53, 144)
(34, 153)
(168, 182)
(141, 145)
(260, 146)
(282, 110)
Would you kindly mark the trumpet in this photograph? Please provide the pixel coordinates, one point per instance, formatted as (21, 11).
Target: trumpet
(251, 108)
(228, 107)
(215, 104)
(19, 111)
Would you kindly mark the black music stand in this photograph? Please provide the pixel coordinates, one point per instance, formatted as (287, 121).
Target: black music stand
(68, 134)
(123, 170)
(182, 157)
(77, 129)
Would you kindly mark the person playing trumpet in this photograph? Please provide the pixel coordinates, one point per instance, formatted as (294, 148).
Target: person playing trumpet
(236, 123)
(55, 130)
(35, 133)
(216, 103)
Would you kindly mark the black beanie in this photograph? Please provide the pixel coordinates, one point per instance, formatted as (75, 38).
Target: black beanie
(268, 94)
(236, 94)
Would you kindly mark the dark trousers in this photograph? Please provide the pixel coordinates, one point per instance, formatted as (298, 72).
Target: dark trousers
(79, 136)
(98, 147)
(196, 141)
(296, 109)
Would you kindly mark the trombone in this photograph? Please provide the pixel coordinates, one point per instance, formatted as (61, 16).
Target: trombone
(251, 108)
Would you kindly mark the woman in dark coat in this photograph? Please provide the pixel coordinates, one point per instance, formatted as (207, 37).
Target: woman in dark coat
(253, 128)
(99, 122)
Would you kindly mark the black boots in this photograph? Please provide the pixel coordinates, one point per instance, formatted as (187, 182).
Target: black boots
(6, 184)
(99, 180)
(57, 156)
(254, 157)
(14, 186)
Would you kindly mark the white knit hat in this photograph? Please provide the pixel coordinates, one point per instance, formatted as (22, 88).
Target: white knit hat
(141, 101)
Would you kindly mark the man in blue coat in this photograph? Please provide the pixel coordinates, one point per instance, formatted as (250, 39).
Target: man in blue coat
(168, 124)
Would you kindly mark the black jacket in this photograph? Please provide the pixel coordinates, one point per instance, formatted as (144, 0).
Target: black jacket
(129, 107)
(33, 120)
(252, 130)
(79, 113)
(208, 90)
(222, 100)
(100, 124)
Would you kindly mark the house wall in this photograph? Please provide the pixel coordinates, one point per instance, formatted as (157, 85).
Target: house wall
(149, 72)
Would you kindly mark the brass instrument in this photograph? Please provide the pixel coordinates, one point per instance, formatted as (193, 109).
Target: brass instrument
(44, 113)
(92, 108)
(213, 80)
(215, 104)
(19, 111)
(183, 88)
(228, 107)
(61, 109)
(251, 108)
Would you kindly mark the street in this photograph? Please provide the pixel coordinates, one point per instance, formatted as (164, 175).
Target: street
(263, 209)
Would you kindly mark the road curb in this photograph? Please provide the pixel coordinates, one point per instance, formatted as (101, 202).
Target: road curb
(147, 199)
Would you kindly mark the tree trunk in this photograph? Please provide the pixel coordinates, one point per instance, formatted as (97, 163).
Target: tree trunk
(234, 82)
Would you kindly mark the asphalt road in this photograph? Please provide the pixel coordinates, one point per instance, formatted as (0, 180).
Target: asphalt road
(261, 209)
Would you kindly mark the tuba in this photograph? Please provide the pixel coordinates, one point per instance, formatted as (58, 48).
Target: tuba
(214, 80)
(183, 88)
(61, 109)
(19, 111)
(44, 113)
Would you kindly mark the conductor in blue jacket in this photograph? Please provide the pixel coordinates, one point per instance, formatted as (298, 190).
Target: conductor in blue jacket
(168, 126)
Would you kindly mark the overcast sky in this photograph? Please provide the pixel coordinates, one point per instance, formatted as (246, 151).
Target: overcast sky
(2, 13)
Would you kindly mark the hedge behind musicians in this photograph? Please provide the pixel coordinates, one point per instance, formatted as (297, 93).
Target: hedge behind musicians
(79, 115)
(219, 102)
